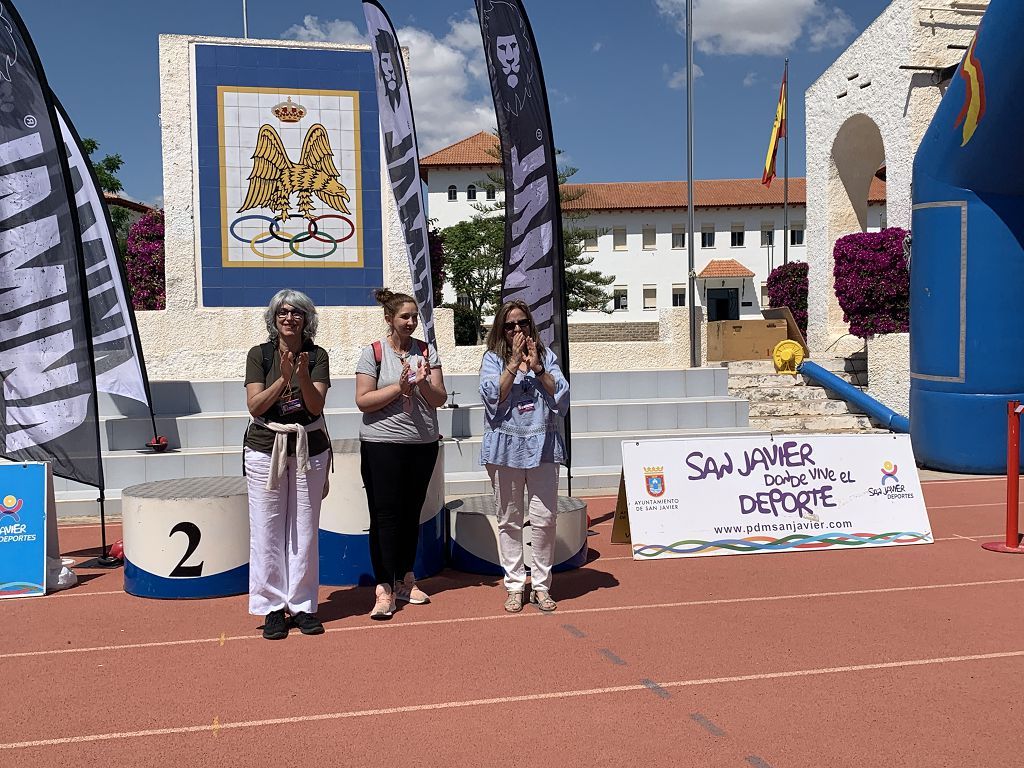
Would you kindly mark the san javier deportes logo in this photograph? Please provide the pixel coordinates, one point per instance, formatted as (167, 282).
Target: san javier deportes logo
(10, 506)
(890, 485)
(11, 527)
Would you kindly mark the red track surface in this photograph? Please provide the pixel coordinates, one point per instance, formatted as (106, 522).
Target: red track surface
(875, 657)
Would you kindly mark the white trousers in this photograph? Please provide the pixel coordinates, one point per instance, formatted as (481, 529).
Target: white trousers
(284, 557)
(510, 486)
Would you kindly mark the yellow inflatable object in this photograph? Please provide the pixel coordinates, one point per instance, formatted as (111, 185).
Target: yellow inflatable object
(787, 356)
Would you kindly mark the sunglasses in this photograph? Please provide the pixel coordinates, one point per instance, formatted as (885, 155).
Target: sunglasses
(524, 324)
(283, 313)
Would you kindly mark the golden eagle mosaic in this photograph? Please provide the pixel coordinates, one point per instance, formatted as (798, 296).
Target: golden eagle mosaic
(275, 178)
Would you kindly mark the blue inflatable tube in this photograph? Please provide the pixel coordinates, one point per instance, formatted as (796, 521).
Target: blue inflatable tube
(879, 413)
(967, 265)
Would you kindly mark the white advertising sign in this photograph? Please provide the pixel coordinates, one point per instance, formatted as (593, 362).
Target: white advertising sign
(698, 497)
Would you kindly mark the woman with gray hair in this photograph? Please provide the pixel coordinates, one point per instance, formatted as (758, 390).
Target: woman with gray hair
(287, 455)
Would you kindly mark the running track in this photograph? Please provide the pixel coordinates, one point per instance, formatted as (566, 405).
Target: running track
(875, 657)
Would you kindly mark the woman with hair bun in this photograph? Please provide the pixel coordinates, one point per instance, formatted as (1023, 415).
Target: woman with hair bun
(399, 387)
(286, 455)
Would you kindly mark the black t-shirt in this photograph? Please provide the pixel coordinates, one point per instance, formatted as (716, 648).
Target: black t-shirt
(262, 439)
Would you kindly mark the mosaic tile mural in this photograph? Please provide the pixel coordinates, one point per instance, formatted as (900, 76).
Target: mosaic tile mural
(287, 142)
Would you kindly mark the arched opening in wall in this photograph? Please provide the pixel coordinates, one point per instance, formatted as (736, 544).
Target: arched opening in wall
(856, 194)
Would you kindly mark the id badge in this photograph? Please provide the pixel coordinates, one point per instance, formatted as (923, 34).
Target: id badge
(526, 406)
(290, 406)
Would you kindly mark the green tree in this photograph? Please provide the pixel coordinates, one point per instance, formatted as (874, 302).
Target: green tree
(584, 287)
(473, 263)
(106, 174)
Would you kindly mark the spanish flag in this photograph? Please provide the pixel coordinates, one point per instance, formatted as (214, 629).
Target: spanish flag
(778, 132)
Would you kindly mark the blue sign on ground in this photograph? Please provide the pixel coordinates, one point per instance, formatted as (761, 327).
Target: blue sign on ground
(22, 530)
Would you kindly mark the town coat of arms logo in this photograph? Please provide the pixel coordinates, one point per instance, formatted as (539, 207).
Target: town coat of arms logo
(654, 479)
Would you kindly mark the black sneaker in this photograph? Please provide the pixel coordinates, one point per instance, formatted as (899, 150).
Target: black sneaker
(275, 628)
(307, 623)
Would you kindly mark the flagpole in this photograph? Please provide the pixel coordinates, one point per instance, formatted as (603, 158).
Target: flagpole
(692, 282)
(785, 182)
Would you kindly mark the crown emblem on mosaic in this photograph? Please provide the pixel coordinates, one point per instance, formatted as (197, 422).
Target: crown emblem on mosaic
(288, 111)
(653, 470)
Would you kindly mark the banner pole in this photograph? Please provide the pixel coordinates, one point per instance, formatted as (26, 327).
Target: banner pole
(785, 180)
(692, 275)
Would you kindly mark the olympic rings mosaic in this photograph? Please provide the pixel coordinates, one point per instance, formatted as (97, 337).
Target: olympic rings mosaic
(292, 239)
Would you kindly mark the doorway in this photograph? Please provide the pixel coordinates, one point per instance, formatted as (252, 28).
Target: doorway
(723, 304)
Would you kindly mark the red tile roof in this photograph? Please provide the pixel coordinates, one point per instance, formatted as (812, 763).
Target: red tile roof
(478, 150)
(707, 193)
(724, 268)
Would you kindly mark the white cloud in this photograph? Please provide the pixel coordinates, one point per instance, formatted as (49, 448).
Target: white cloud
(832, 30)
(756, 27)
(335, 30)
(749, 79)
(677, 80)
(447, 75)
(597, 46)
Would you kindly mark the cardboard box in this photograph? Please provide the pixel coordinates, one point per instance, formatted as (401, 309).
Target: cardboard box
(744, 339)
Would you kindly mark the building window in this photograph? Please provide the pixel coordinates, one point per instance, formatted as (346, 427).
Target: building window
(471, 192)
(796, 234)
(463, 301)
(767, 235)
(491, 193)
(619, 238)
(707, 237)
(678, 295)
(883, 220)
(737, 236)
(453, 193)
(650, 238)
(620, 299)
(650, 297)
(678, 237)
(590, 241)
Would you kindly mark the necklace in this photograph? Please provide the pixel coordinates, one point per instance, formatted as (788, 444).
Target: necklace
(403, 355)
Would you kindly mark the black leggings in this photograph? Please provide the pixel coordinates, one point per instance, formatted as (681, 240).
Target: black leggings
(396, 476)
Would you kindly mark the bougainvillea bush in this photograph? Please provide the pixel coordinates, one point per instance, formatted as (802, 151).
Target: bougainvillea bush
(144, 261)
(873, 282)
(787, 287)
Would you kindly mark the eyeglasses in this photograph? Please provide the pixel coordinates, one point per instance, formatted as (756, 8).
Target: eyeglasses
(524, 324)
(283, 313)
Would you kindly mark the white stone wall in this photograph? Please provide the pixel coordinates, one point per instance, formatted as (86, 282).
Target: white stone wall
(187, 341)
(889, 371)
(866, 91)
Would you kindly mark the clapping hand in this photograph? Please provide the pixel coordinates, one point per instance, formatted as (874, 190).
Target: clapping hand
(404, 385)
(302, 363)
(533, 356)
(518, 350)
(422, 372)
(287, 367)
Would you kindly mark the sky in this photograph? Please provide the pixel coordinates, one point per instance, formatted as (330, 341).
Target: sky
(615, 73)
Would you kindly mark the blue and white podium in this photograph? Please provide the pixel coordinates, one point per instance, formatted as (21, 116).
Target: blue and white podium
(345, 523)
(186, 538)
(473, 546)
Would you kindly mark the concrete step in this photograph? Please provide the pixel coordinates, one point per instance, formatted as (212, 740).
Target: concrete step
(799, 407)
(771, 394)
(851, 364)
(213, 429)
(175, 398)
(749, 380)
(833, 423)
(583, 479)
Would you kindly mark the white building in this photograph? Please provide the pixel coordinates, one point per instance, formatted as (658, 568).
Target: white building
(641, 232)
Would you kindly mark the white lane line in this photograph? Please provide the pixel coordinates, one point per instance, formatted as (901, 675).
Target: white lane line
(77, 593)
(380, 626)
(502, 700)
